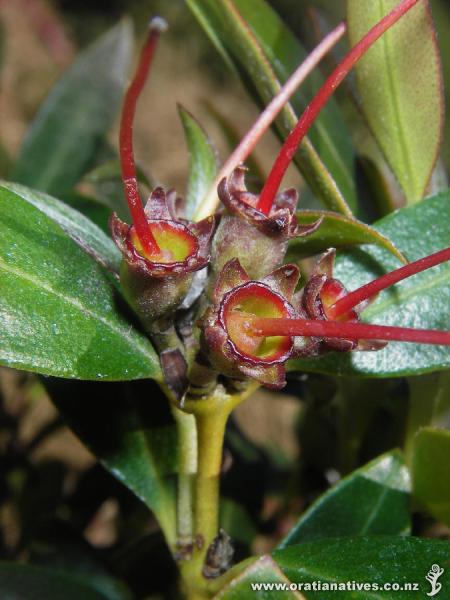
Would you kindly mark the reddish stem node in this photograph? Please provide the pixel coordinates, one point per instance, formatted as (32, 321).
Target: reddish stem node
(129, 177)
(293, 140)
(351, 331)
(354, 298)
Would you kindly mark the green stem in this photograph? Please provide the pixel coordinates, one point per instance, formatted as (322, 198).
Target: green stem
(187, 467)
(211, 415)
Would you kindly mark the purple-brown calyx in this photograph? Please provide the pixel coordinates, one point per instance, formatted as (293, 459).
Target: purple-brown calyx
(238, 299)
(183, 246)
(280, 221)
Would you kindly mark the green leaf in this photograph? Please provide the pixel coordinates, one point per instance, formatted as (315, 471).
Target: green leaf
(430, 472)
(336, 231)
(266, 570)
(138, 445)
(245, 30)
(399, 82)
(68, 129)
(22, 581)
(58, 312)
(420, 301)
(376, 560)
(373, 500)
(202, 162)
(79, 228)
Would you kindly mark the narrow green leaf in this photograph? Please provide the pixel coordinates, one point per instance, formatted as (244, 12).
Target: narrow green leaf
(202, 162)
(336, 231)
(59, 313)
(373, 500)
(138, 445)
(430, 472)
(20, 581)
(377, 560)
(421, 301)
(243, 43)
(63, 139)
(400, 84)
(266, 570)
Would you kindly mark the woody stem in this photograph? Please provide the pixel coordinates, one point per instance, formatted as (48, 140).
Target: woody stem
(307, 119)
(128, 166)
(352, 331)
(354, 298)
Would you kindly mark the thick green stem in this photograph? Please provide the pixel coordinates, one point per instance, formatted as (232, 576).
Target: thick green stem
(211, 416)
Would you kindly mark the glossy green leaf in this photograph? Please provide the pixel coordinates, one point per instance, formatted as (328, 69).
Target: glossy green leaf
(20, 581)
(430, 471)
(421, 301)
(79, 228)
(375, 560)
(373, 500)
(336, 231)
(399, 81)
(68, 129)
(202, 162)
(138, 445)
(244, 31)
(266, 570)
(59, 314)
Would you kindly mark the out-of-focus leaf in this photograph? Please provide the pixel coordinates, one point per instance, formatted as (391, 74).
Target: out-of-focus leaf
(428, 406)
(430, 472)
(129, 428)
(107, 186)
(90, 208)
(68, 129)
(399, 80)
(373, 500)
(5, 161)
(236, 521)
(20, 581)
(245, 31)
(58, 311)
(336, 231)
(202, 162)
(421, 301)
(376, 560)
(61, 551)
